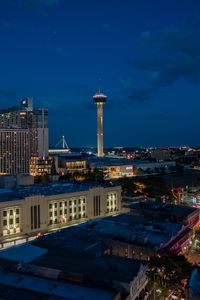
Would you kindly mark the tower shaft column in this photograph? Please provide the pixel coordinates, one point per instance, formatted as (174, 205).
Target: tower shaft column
(100, 129)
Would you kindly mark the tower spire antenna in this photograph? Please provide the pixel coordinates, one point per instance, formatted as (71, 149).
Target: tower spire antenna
(99, 80)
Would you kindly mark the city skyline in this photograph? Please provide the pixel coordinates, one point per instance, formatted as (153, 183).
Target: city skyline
(146, 54)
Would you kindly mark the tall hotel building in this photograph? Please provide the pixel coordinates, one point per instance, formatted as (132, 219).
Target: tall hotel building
(27, 133)
(14, 151)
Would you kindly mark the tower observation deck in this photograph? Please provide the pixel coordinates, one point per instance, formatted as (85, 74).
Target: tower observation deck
(99, 99)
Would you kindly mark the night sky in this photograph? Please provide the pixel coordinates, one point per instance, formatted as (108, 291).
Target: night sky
(144, 54)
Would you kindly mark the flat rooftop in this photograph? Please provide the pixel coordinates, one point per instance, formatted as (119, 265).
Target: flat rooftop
(47, 189)
(81, 251)
(108, 161)
(160, 207)
(89, 237)
(137, 231)
(105, 268)
(50, 287)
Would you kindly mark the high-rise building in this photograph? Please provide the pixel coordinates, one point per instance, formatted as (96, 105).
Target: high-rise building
(35, 120)
(27, 104)
(99, 99)
(24, 133)
(14, 151)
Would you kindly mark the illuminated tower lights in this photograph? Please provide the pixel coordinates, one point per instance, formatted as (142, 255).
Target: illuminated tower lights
(99, 99)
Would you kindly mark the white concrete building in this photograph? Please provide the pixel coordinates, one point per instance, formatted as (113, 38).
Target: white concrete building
(32, 210)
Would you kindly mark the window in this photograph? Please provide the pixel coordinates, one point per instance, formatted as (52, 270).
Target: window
(60, 204)
(65, 203)
(4, 213)
(70, 210)
(50, 206)
(50, 222)
(55, 205)
(84, 207)
(70, 202)
(74, 202)
(126, 252)
(74, 209)
(55, 213)
(17, 220)
(55, 221)
(65, 211)
(11, 221)
(61, 212)
(79, 201)
(4, 222)
(79, 209)
(79, 216)
(11, 212)
(50, 214)
(17, 211)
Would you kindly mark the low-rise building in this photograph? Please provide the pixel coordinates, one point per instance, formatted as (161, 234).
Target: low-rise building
(157, 210)
(114, 168)
(77, 255)
(70, 163)
(40, 166)
(39, 208)
(150, 228)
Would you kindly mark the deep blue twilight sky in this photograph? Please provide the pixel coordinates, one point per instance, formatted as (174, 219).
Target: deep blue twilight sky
(146, 52)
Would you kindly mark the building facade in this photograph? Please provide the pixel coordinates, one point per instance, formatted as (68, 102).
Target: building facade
(40, 166)
(35, 210)
(14, 151)
(34, 120)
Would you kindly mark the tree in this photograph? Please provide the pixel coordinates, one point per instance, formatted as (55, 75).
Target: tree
(169, 270)
(197, 234)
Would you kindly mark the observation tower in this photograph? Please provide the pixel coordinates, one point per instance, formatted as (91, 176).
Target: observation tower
(99, 99)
